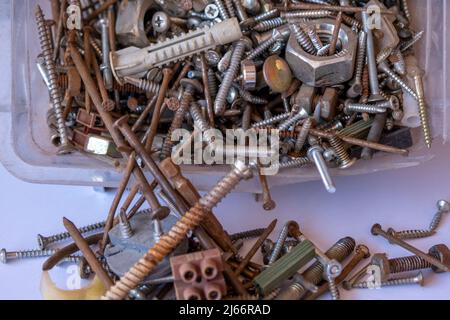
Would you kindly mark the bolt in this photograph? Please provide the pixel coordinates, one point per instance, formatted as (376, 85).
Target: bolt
(315, 155)
(230, 75)
(106, 65)
(43, 242)
(378, 231)
(314, 274)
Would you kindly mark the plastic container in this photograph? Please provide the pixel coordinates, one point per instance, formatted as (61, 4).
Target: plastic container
(27, 153)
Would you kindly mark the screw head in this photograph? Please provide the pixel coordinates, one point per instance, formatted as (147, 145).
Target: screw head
(443, 206)
(211, 11)
(376, 228)
(269, 205)
(364, 250)
(161, 22)
(3, 255)
(42, 241)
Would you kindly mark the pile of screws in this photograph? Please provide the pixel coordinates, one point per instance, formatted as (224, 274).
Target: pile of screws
(334, 82)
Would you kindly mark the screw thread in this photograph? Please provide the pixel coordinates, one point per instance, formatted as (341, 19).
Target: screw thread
(229, 77)
(406, 10)
(406, 264)
(361, 57)
(295, 163)
(222, 10)
(303, 40)
(286, 125)
(43, 242)
(224, 187)
(212, 83)
(311, 31)
(267, 25)
(247, 234)
(399, 81)
(266, 15)
(55, 93)
(263, 47)
(412, 234)
(364, 108)
(335, 295)
(303, 134)
(230, 8)
(247, 96)
(394, 282)
(270, 121)
(197, 116)
(279, 243)
(144, 85)
(339, 149)
(408, 44)
(355, 24)
(98, 51)
(25, 254)
(307, 14)
(423, 111)
(177, 122)
(436, 221)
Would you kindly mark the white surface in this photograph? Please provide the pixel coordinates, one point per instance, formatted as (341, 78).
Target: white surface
(400, 199)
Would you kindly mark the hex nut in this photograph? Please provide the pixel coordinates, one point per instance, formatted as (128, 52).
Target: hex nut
(382, 261)
(328, 70)
(130, 27)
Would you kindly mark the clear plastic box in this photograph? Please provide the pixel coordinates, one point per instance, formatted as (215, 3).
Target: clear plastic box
(27, 153)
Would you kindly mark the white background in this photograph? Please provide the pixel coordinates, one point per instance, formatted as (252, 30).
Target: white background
(400, 199)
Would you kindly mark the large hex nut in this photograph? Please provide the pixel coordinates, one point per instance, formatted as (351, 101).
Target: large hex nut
(328, 70)
(130, 27)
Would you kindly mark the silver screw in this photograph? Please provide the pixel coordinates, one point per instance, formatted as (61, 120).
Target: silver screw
(44, 242)
(230, 75)
(287, 229)
(269, 24)
(286, 125)
(28, 254)
(55, 93)
(303, 39)
(222, 10)
(418, 279)
(281, 33)
(273, 120)
(315, 154)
